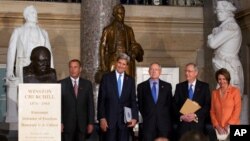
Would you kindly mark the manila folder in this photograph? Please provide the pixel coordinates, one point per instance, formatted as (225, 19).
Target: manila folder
(189, 107)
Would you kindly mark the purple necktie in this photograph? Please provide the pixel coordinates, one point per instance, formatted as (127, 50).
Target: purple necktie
(75, 88)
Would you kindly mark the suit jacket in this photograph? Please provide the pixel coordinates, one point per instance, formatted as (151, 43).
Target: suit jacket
(226, 110)
(110, 106)
(155, 115)
(201, 95)
(78, 109)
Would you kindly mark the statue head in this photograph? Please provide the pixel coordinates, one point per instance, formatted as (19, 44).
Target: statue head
(30, 14)
(39, 71)
(40, 60)
(224, 10)
(119, 13)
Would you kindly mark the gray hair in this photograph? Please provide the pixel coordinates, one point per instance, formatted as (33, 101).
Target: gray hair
(156, 64)
(194, 65)
(123, 56)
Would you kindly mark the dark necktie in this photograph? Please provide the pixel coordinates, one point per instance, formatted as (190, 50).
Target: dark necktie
(75, 88)
(119, 84)
(154, 92)
(190, 92)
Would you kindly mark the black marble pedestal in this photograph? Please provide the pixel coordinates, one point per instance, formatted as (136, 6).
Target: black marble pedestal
(8, 132)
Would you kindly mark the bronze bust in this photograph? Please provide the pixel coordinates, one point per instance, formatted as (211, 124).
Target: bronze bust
(39, 70)
(118, 38)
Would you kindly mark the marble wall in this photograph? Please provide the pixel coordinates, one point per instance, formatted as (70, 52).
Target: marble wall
(61, 20)
(172, 36)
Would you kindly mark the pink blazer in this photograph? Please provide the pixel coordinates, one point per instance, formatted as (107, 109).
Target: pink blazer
(226, 110)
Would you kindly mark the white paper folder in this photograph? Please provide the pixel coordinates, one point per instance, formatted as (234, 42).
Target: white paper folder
(127, 114)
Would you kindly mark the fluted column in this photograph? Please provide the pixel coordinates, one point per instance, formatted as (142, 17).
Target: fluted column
(96, 14)
(209, 23)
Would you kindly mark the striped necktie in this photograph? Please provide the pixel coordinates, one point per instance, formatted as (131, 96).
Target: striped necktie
(75, 88)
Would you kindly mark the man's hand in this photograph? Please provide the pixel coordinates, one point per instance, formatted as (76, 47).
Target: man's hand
(62, 127)
(103, 124)
(132, 123)
(90, 128)
(188, 117)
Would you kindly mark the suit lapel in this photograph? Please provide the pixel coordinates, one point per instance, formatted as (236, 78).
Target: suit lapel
(114, 83)
(160, 94)
(186, 89)
(72, 92)
(197, 89)
(125, 84)
(80, 87)
(149, 90)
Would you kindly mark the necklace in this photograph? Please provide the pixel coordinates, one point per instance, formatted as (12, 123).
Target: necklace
(223, 91)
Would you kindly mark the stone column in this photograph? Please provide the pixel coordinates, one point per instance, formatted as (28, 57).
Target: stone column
(209, 23)
(96, 14)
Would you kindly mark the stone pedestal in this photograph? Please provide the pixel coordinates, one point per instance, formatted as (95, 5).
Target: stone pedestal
(11, 115)
(8, 132)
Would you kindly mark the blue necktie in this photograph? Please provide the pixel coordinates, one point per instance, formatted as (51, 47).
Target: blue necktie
(190, 92)
(119, 83)
(154, 92)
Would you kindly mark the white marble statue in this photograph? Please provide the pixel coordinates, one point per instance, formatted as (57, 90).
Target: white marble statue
(226, 40)
(23, 40)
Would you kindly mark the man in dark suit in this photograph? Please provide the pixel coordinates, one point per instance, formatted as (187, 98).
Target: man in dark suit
(77, 105)
(197, 91)
(117, 90)
(155, 106)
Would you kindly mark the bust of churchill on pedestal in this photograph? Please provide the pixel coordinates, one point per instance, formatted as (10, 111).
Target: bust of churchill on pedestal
(39, 70)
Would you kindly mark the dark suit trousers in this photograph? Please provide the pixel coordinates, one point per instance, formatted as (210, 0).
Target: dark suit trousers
(116, 134)
(74, 135)
(153, 133)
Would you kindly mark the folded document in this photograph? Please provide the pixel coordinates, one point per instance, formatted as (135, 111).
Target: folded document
(189, 107)
(127, 114)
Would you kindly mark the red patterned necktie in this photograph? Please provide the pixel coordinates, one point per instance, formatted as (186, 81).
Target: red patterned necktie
(75, 88)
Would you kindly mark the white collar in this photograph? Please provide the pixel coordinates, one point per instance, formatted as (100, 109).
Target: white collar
(117, 74)
(73, 79)
(193, 83)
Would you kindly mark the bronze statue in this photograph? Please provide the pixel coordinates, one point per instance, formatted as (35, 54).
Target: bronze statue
(118, 38)
(39, 70)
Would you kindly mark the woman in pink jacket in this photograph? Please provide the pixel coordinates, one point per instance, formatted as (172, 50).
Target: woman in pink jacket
(225, 104)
